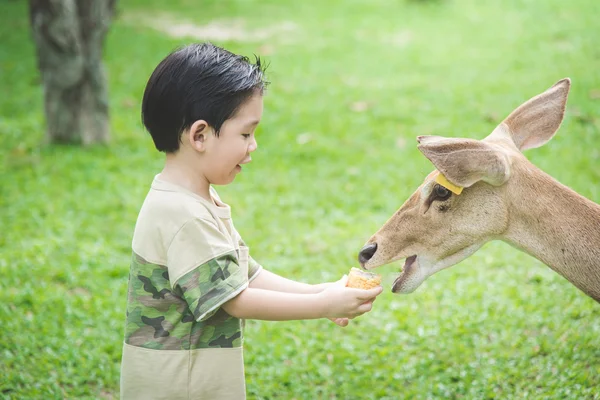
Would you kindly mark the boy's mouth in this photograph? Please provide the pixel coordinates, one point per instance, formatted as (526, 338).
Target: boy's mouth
(246, 161)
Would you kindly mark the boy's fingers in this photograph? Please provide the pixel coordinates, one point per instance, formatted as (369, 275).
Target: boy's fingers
(370, 293)
(365, 307)
(340, 321)
(344, 280)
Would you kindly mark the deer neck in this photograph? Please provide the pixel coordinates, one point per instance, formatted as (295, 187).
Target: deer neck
(555, 225)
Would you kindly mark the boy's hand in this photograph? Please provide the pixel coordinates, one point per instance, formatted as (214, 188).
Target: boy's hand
(340, 321)
(343, 322)
(342, 302)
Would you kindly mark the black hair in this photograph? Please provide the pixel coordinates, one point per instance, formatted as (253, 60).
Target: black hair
(199, 81)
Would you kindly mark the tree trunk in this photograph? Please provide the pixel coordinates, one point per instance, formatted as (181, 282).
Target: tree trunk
(69, 36)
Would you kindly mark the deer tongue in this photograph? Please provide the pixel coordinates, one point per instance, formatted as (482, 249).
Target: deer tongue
(406, 270)
(409, 262)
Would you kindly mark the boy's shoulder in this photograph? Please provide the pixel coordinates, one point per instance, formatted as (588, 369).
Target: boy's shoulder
(168, 207)
(164, 213)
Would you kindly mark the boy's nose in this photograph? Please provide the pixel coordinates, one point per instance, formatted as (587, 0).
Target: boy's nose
(253, 146)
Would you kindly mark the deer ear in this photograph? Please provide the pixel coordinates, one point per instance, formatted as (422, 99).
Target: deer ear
(466, 161)
(536, 121)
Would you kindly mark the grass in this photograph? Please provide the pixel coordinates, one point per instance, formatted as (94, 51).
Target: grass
(353, 83)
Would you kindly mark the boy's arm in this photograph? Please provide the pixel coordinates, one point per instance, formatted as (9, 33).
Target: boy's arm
(271, 281)
(336, 301)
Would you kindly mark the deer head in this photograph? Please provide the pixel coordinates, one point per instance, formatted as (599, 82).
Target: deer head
(436, 228)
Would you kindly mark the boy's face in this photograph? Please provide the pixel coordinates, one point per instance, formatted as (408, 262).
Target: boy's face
(225, 155)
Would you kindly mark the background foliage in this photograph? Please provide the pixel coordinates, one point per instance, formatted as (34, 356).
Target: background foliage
(353, 83)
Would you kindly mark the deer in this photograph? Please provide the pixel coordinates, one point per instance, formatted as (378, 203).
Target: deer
(484, 190)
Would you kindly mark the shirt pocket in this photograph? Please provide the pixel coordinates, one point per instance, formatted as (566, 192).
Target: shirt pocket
(243, 256)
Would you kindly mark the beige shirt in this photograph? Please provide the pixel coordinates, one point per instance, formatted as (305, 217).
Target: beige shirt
(187, 261)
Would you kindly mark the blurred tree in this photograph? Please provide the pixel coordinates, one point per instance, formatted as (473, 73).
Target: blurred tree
(69, 37)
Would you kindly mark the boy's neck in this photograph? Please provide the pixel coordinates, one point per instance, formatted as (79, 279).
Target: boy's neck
(183, 174)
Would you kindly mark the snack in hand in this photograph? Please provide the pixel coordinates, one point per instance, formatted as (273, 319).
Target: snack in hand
(359, 279)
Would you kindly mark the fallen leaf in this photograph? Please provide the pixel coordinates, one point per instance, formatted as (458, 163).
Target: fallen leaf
(359, 106)
(266, 50)
(304, 138)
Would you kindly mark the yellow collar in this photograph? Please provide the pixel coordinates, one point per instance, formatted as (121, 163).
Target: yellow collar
(441, 180)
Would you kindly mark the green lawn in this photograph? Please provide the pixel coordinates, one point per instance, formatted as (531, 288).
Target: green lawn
(353, 83)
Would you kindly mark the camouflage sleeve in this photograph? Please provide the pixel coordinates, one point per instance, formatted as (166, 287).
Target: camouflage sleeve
(253, 268)
(211, 284)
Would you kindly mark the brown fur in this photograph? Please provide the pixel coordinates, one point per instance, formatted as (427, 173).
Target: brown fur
(505, 197)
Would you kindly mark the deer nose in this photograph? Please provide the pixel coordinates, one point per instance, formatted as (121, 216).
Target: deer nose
(366, 253)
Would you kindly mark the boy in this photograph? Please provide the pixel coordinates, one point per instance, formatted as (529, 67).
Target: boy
(192, 281)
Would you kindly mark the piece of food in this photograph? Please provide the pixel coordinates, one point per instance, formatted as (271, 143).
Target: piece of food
(359, 279)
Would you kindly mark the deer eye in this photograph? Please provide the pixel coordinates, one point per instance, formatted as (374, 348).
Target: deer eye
(441, 193)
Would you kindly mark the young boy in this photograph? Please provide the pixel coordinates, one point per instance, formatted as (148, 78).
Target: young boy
(192, 280)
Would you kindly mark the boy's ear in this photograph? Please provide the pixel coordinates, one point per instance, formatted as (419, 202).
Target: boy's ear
(198, 134)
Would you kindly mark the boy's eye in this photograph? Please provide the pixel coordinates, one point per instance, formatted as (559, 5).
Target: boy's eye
(246, 135)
